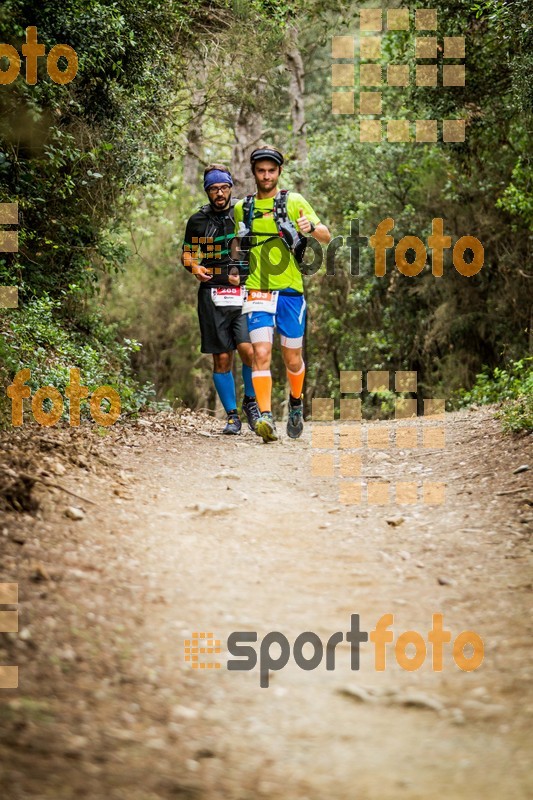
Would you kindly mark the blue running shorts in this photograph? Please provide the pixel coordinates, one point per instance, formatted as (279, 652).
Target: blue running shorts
(289, 319)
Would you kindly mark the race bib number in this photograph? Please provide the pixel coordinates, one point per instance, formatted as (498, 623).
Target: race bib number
(260, 301)
(227, 295)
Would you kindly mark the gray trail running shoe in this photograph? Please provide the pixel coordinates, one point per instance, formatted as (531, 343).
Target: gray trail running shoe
(233, 425)
(266, 427)
(295, 421)
(251, 409)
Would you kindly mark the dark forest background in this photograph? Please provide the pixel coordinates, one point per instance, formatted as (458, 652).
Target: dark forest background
(107, 169)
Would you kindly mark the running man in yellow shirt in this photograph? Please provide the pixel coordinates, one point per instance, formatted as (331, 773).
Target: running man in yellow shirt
(269, 226)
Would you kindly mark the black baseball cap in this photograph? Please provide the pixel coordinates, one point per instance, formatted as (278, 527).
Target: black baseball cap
(266, 152)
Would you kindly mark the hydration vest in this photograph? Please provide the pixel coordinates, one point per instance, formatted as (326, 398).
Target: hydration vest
(287, 231)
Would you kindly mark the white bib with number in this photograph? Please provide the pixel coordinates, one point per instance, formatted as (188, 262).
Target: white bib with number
(260, 301)
(227, 295)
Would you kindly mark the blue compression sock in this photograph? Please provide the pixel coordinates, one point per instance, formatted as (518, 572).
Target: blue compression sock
(249, 390)
(225, 386)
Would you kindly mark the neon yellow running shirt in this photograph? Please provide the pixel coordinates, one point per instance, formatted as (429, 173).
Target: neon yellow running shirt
(272, 266)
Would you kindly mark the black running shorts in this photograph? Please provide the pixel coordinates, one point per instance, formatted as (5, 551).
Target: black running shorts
(221, 329)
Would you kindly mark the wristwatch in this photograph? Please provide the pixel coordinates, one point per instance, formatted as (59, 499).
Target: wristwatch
(313, 227)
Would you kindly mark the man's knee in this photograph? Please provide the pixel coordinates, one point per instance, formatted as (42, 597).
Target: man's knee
(293, 359)
(222, 362)
(246, 352)
(262, 355)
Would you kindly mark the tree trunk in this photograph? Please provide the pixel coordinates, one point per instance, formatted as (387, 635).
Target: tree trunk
(248, 132)
(193, 158)
(295, 67)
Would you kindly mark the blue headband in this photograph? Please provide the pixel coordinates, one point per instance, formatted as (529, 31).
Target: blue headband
(217, 176)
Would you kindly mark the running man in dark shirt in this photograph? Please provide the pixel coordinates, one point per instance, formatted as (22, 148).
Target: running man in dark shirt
(223, 326)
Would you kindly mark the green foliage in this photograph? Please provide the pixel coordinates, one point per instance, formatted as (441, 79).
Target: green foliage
(517, 198)
(96, 167)
(512, 387)
(35, 338)
(71, 154)
(517, 415)
(156, 282)
(445, 328)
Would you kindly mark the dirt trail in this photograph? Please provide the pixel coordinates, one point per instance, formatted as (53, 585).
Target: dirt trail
(201, 533)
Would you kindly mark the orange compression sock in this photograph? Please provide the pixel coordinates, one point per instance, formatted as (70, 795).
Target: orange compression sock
(296, 381)
(262, 381)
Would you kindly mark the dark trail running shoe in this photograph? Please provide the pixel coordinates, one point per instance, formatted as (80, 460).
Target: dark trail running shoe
(233, 425)
(251, 409)
(295, 422)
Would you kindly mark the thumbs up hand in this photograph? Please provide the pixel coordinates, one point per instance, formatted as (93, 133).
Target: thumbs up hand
(303, 223)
